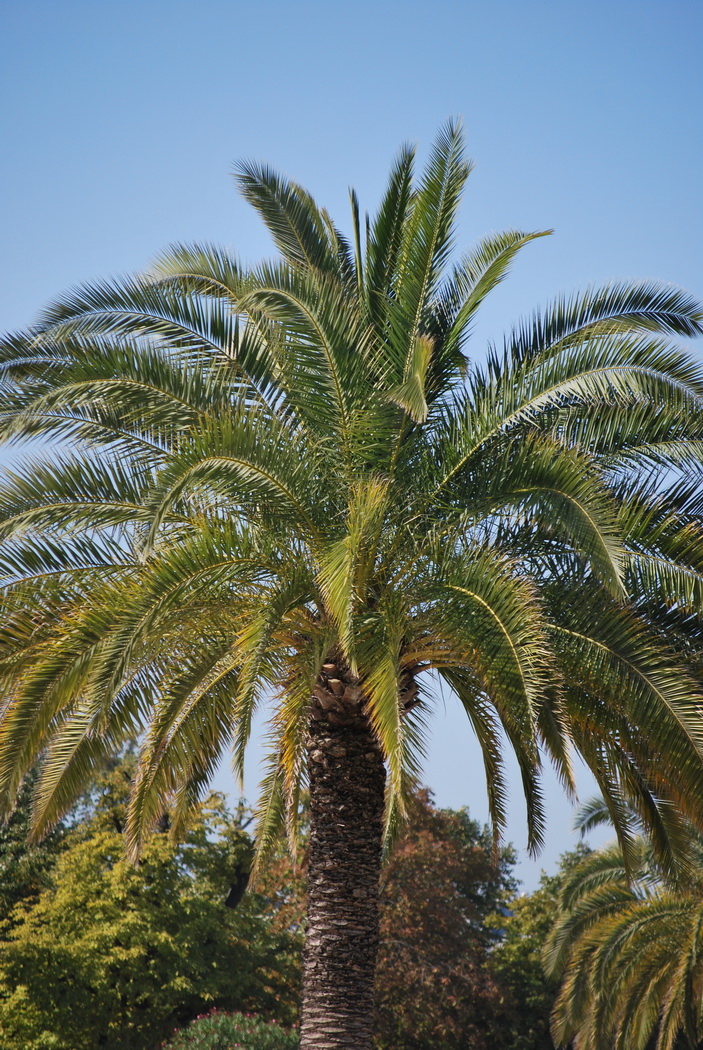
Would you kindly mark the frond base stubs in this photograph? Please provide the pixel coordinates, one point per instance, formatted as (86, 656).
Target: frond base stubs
(347, 778)
(340, 699)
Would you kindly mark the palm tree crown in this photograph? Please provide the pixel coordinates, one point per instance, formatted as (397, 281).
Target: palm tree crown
(627, 944)
(289, 481)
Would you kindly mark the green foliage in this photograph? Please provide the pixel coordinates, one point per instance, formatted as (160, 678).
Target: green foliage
(115, 956)
(25, 869)
(222, 1031)
(527, 995)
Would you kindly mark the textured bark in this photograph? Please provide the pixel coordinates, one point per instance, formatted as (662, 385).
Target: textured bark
(347, 779)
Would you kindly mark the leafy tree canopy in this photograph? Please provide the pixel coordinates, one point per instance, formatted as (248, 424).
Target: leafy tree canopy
(25, 869)
(109, 955)
(434, 985)
(527, 994)
(262, 469)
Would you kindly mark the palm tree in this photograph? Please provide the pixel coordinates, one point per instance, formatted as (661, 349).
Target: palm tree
(628, 946)
(287, 485)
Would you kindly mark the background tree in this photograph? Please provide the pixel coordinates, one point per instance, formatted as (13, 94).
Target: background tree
(289, 481)
(25, 867)
(434, 986)
(442, 892)
(115, 956)
(527, 995)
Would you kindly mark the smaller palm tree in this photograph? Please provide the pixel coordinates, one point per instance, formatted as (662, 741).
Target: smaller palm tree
(628, 946)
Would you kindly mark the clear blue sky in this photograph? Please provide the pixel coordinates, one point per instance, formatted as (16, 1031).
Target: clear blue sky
(121, 121)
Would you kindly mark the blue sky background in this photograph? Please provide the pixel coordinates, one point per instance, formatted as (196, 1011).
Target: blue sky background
(120, 123)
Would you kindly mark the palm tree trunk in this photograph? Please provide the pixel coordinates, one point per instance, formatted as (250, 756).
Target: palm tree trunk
(347, 780)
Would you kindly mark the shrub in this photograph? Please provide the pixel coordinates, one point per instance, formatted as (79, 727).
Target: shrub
(222, 1031)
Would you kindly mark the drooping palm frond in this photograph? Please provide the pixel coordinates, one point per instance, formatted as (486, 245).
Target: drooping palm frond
(627, 947)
